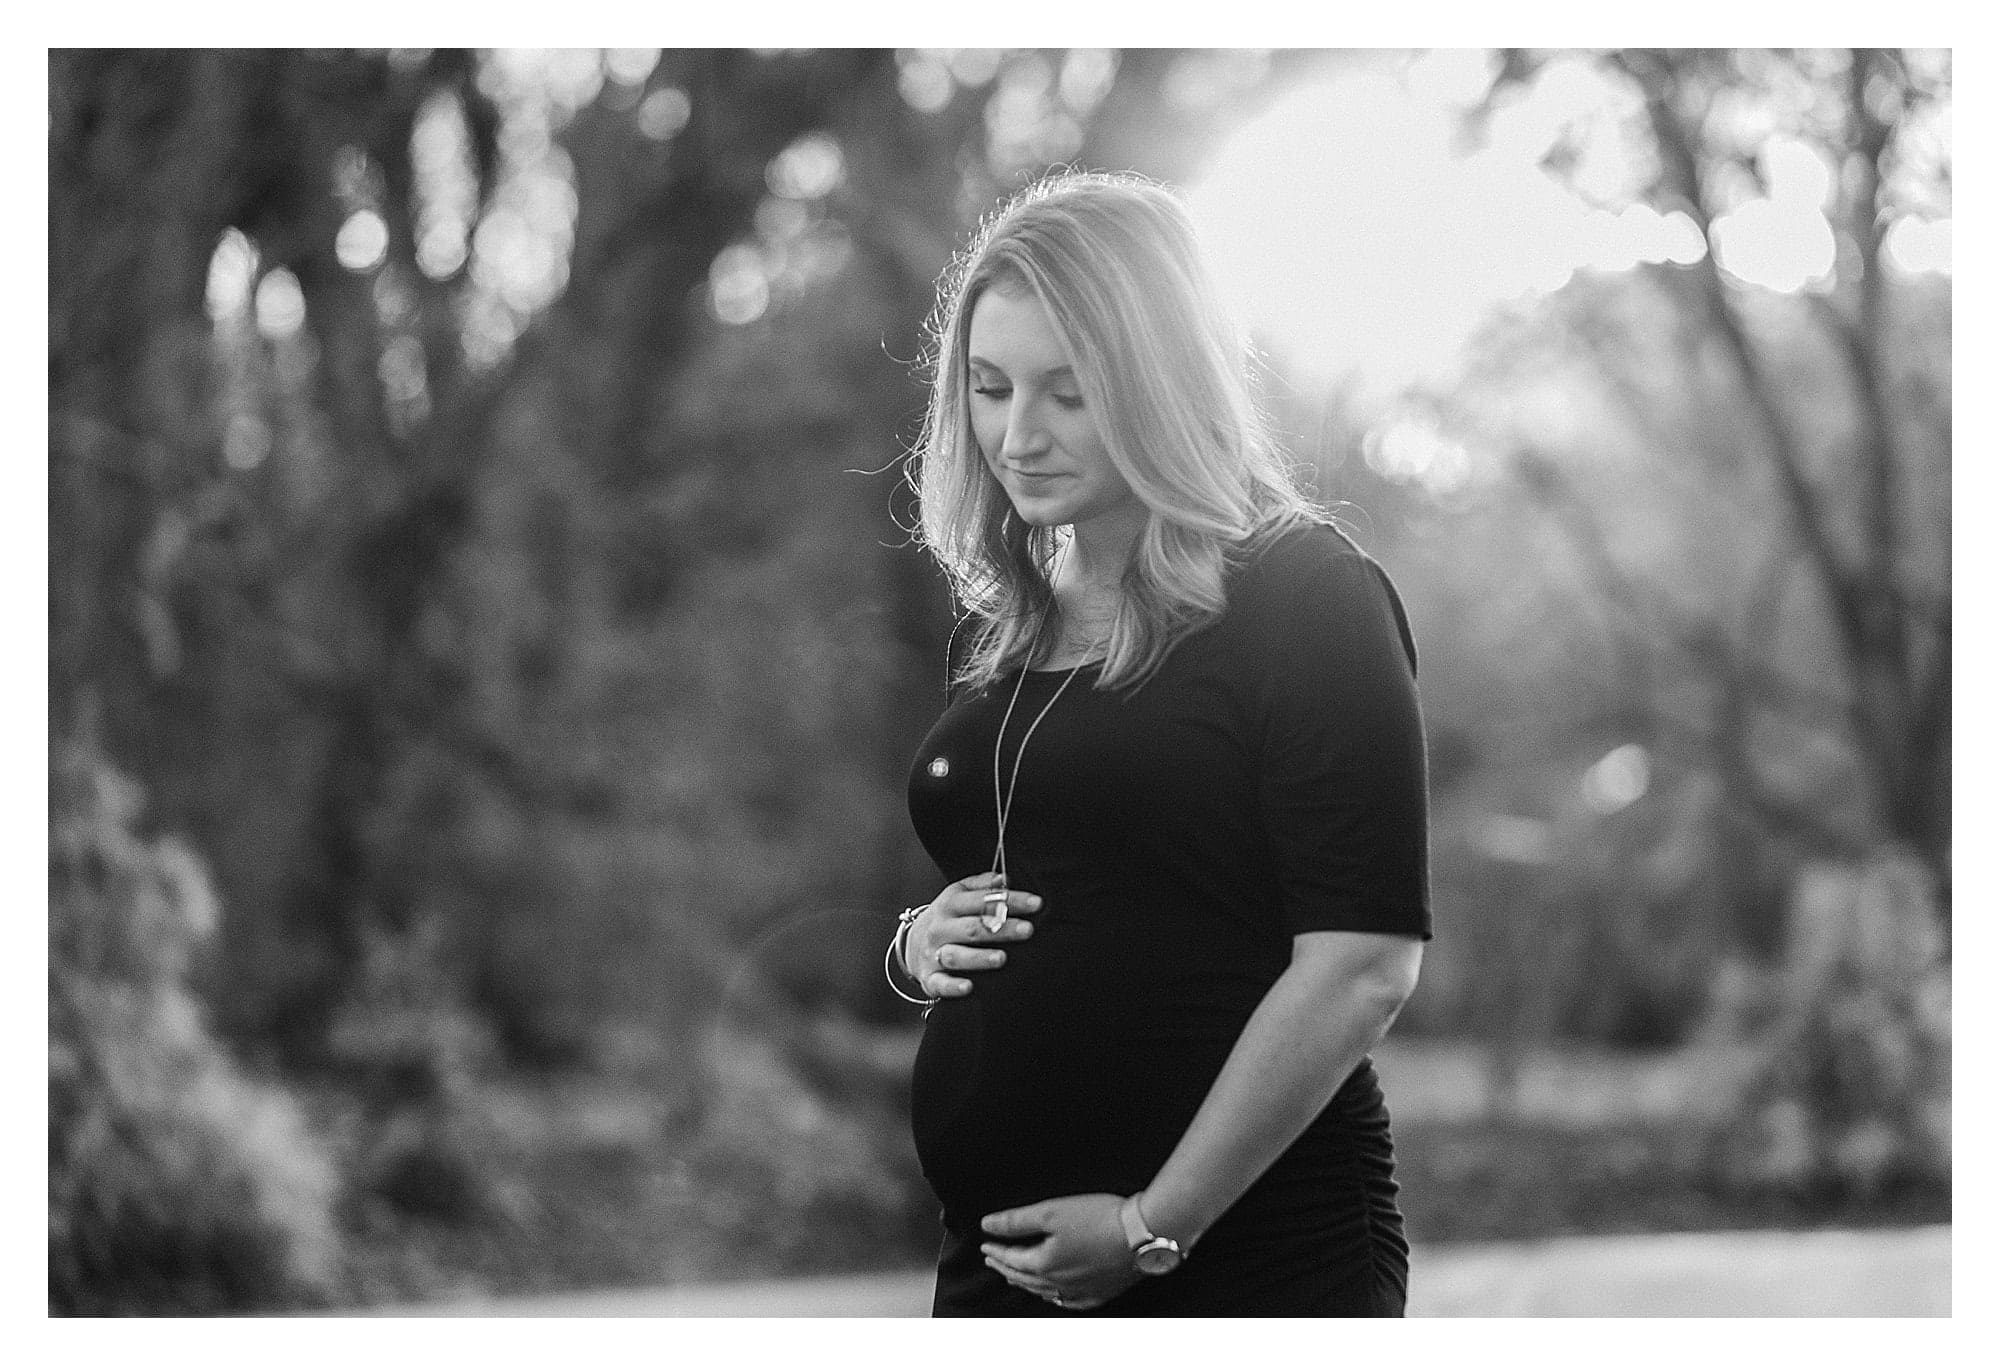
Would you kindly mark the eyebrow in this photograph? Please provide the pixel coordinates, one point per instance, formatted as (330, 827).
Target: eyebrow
(1053, 372)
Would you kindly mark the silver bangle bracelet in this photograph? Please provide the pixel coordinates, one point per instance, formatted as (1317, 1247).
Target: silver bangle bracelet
(894, 957)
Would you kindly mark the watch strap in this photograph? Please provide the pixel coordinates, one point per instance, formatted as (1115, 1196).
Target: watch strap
(1136, 1232)
(1152, 1254)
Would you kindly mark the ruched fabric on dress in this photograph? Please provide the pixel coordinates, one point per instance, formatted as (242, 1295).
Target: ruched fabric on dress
(1319, 1235)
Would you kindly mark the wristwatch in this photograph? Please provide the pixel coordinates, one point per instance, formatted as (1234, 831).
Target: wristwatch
(1152, 1255)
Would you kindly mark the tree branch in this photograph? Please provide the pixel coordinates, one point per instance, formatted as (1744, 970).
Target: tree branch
(1652, 618)
(1859, 339)
(1656, 81)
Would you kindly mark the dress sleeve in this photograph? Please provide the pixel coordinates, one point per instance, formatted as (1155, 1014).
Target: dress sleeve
(1342, 781)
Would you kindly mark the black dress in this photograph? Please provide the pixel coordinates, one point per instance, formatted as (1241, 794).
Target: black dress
(1267, 781)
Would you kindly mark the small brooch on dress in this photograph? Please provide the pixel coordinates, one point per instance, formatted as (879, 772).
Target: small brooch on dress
(940, 766)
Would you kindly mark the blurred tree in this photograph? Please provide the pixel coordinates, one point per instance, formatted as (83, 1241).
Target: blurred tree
(292, 472)
(453, 512)
(242, 535)
(1688, 635)
(1829, 405)
(440, 376)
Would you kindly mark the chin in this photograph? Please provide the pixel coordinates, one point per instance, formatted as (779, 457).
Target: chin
(1048, 511)
(1035, 515)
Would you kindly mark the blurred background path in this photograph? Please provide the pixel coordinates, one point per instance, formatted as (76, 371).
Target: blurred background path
(1864, 1274)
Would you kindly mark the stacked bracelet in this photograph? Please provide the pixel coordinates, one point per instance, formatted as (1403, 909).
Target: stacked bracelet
(895, 957)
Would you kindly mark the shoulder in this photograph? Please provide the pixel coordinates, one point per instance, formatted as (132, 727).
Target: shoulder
(1306, 565)
(1298, 558)
(1314, 579)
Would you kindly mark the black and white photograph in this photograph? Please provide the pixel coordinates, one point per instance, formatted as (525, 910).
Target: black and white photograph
(1196, 682)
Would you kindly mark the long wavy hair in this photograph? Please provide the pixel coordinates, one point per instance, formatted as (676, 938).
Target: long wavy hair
(1166, 375)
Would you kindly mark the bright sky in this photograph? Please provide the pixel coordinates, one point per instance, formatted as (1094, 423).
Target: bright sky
(1364, 243)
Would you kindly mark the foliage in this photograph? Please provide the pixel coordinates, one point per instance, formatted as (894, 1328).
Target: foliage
(1707, 640)
(410, 1061)
(473, 510)
(618, 1199)
(1851, 1088)
(457, 510)
(787, 1168)
(1797, 441)
(1502, 1179)
(177, 1183)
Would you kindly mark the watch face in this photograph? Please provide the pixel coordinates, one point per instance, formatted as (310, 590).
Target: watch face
(1157, 1258)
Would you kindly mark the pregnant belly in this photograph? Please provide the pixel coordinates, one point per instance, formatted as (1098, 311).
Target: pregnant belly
(1076, 1067)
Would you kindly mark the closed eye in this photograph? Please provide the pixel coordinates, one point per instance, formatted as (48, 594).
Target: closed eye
(994, 392)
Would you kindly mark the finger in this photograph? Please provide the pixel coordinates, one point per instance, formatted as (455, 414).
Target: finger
(1005, 1259)
(944, 984)
(1023, 903)
(1031, 1260)
(975, 929)
(973, 903)
(965, 958)
(1011, 1269)
(1016, 1222)
(1020, 905)
(1034, 1285)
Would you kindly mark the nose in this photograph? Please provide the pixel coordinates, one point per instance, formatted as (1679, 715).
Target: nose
(1026, 437)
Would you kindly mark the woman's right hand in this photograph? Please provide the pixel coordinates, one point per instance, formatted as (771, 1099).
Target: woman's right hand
(949, 938)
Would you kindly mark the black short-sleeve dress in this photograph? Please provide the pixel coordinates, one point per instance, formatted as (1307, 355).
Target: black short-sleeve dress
(1267, 781)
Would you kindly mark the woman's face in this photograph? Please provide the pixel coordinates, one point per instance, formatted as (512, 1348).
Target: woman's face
(1029, 418)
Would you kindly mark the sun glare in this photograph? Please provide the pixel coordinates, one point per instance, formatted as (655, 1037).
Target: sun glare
(1921, 247)
(232, 274)
(1365, 240)
(1354, 240)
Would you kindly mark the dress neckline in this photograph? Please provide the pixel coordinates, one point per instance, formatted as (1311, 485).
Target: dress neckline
(1065, 669)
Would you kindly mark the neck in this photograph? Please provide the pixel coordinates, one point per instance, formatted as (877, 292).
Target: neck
(1100, 548)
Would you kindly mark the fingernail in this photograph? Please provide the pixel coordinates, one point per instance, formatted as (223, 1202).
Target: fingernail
(1034, 901)
(1025, 930)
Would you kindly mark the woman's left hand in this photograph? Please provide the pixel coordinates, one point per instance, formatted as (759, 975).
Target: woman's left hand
(1081, 1259)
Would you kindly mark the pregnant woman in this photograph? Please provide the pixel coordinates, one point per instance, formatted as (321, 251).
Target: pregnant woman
(1178, 794)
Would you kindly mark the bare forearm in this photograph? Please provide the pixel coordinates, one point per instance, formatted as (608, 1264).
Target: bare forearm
(1309, 1033)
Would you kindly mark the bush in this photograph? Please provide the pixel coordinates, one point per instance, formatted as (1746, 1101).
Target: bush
(176, 1183)
(411, 1060)
(1851, 1093)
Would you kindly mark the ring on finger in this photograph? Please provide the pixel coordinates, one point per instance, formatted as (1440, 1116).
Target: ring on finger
(995, 914)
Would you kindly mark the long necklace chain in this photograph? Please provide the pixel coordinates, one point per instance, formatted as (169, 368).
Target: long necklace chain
(1004, 806)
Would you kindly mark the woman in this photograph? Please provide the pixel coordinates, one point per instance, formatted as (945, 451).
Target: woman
(1179, 791)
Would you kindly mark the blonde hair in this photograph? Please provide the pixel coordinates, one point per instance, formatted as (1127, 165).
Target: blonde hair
(1165, 373)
